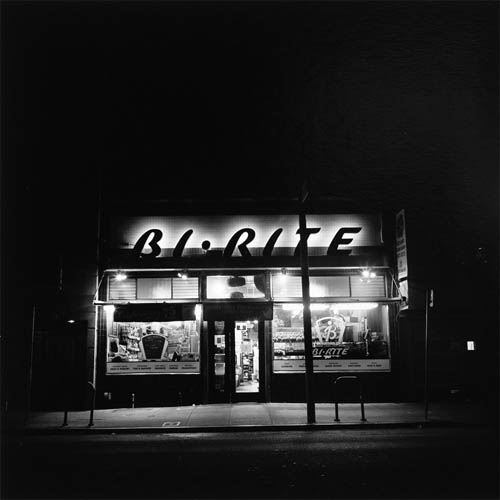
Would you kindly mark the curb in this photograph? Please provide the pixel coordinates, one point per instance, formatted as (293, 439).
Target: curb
(239, 428)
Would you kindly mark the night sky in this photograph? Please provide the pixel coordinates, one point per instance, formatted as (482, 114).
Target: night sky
(386, 105)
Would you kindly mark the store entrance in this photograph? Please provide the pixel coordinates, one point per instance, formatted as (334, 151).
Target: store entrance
(236, 361)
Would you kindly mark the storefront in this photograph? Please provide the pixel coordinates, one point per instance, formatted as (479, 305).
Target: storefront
(209, 309)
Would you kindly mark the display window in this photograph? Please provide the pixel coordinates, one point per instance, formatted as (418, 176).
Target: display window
(236, 287)
(153, 347)
(346, 337)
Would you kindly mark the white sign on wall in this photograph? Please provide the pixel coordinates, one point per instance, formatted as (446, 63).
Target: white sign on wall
(401, 255)
(152, 367)
(333, 365)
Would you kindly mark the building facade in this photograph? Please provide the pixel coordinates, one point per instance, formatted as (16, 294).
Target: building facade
(208, 309)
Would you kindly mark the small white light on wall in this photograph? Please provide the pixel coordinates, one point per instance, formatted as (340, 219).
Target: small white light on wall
(71, 320)
(183, 275)
(119, 276)
(471, 345)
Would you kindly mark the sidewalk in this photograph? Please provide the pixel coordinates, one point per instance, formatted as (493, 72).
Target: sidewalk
(255, 416)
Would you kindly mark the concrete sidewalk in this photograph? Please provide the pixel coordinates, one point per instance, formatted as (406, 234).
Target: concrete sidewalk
(255, 416)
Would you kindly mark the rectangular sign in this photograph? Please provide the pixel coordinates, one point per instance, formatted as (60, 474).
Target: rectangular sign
(338, 365)
(152, 368)
(237, 311)
(242, 235)
(154, 312)
(401, 254)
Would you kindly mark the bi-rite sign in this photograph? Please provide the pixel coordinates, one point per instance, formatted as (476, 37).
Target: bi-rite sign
(149, 238)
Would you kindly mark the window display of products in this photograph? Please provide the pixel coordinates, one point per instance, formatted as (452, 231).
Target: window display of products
(346, 337)
(154, 347)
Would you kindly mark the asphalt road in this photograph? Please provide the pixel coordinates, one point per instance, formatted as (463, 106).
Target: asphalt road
(397, 463)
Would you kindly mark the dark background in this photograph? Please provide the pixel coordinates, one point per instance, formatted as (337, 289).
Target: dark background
(379, 105)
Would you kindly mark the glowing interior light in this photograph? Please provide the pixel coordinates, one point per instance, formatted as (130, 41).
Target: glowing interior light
(183, 275)
(317, 290)
(293, 307)
(217, 287)
(365, 273)
(255, 321)
(197, 312)
(471, 346)
(356, 306)
(373, 275)
(120, 276)
(71, 320)
(319, 307)
(109, 308)
(336, 307)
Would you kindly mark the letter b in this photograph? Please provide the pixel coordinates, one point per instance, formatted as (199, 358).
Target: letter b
(153, 244)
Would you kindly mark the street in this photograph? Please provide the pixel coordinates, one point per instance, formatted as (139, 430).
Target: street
(397, 463)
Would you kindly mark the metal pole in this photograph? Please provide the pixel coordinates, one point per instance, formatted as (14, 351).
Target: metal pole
(91, 420)
(426, 377)
(98, 271)
(335, 401)
(30, 368)
(306, 300)
(361, 401)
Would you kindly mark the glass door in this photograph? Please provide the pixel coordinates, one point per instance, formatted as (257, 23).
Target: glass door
(235, 358)
(218, 354)
(246, 358)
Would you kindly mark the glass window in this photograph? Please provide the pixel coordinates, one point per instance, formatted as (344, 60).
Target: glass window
(329, 286)
(285, 286)
(153, 347)
(185, 288)
(154, 288)
(236, 287)
(122, 290)
(346, 337)
(374, 288)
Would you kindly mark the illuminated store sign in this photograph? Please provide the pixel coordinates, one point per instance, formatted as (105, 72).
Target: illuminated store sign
(242, 236)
